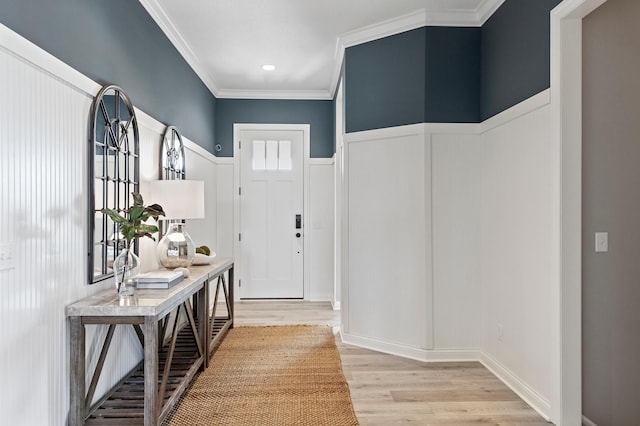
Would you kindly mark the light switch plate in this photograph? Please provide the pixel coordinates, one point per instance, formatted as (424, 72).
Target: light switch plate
(602, 242)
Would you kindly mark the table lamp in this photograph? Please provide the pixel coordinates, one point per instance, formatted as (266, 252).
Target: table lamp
(180, 199)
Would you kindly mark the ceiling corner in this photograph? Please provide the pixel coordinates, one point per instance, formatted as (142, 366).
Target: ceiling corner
(158, 14)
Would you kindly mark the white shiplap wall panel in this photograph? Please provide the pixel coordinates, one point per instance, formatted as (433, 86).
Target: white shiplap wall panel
(199, 167)
(43, 138)
(44, 118)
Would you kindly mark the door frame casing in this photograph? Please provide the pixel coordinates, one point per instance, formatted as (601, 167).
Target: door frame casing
(306, 142)
(566, 128)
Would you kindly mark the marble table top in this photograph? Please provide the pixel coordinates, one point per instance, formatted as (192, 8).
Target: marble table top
(147, 302)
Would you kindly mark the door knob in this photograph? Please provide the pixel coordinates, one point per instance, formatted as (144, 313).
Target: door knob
(298, 235)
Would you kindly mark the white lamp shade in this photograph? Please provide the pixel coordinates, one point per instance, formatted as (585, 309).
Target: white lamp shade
(180, 199)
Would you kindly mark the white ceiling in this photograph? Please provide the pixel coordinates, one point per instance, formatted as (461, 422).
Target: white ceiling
(227, 41)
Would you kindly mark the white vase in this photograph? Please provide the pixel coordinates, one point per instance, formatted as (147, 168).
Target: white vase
(126, 268)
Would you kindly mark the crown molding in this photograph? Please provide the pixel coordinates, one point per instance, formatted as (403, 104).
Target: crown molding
(377, 31)
(411, 21)
(383, 29)
(487, 9)
(158, 14)
(418, 19)
(274, 94)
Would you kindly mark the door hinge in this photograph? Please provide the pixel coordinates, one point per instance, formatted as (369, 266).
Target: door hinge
(239, 144)
(239, 237)
(239, 190)
(239, 283)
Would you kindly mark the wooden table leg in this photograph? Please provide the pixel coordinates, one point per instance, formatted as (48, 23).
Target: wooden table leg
(77, 367)
(205, 324)
(231, 296)
(151, 400)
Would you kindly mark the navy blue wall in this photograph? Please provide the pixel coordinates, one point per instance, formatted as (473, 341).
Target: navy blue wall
(468, 74)
(385, 82)
(318, 114)
(431, 74)
(118, 42)
(515, 52)
(452, 92)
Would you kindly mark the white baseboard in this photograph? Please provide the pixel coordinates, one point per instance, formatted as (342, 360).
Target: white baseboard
(425, 355)
(452, 355)
(524, 391)
(336, 305)
(587, 422)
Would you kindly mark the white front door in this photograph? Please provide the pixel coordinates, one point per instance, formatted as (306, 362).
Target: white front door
(271, 214)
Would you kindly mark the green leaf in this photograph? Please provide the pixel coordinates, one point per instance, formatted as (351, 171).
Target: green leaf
(136, 213)
(115, 216)
(132, 225)
(128, 231)
(145, 234)
(155, 210)
(147, 228)
(137, 199)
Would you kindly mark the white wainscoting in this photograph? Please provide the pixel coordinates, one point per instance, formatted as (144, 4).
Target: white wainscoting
(225, 216)
(456, 240)
(386, 297)
(45, 114)
(321, 232)
(425, 201)
(473, 255)
(202, 165)
(517, 244)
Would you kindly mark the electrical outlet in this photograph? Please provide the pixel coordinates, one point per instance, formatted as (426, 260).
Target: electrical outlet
(7, 256)
(500, 333)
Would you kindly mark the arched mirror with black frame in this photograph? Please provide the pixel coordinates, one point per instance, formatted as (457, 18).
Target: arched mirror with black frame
(172, 165)
(114, 173)
(172, 155)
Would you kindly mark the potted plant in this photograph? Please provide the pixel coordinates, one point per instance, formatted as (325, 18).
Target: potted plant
(131, 225)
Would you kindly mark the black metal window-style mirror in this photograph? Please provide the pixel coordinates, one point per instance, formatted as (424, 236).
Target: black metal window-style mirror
(114, 173)
(172, 165)
(172, 155)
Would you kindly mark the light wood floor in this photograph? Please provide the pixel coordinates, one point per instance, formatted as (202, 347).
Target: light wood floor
(387, 390)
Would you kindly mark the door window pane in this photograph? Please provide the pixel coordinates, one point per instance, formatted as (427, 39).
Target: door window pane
(284, 155)
(258, 155)
(272, 155)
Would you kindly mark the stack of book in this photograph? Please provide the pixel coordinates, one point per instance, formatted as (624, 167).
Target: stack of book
(159, 279)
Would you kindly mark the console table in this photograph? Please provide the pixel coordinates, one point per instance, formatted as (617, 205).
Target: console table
(171, 360)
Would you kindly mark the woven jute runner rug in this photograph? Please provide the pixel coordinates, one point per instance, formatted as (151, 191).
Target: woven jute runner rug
(263, 376)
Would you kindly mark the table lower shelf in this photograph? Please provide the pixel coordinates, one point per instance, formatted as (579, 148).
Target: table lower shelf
(124, 405)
